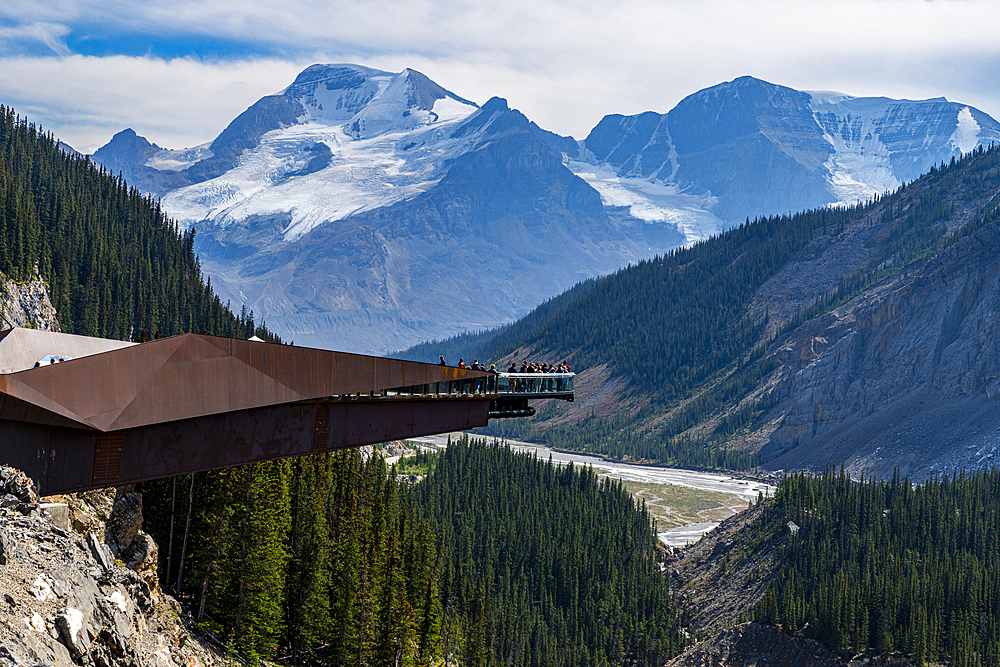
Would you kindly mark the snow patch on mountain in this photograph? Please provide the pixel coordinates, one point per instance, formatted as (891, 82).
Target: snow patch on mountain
(652, 200)
(966, 135)
(363, 174)
(388, 137)
(860, 165)
(828, 96)
(178, 160)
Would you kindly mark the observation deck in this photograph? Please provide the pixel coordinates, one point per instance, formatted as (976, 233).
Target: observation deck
(78, 413)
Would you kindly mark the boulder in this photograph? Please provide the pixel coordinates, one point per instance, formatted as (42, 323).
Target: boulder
(58, 512)
(77, 634)
(101, 552)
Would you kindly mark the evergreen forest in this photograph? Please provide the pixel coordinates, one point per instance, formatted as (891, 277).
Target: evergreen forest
(886, 566)
(116, 266)
(491, 558)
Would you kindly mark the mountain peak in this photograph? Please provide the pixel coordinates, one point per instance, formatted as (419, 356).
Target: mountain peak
(337, 76)
(368, 101)
(423, 92)
(125, 147)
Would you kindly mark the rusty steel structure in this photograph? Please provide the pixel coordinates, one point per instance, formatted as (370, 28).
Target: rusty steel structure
(118, 413)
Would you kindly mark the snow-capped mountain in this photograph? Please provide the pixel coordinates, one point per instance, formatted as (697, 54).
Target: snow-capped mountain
(747, 148)
(367, 210)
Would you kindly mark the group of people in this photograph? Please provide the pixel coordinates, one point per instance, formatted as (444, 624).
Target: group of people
(517, 384)
(475, 365)
(526, 367)
(539, 368)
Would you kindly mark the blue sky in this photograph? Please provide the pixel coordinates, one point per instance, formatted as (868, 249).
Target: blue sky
(178, 71)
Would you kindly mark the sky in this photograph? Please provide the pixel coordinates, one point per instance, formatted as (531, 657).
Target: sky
(178, 71)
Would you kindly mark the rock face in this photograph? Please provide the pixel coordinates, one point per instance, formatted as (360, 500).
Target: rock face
(63, 605)
(903, 377)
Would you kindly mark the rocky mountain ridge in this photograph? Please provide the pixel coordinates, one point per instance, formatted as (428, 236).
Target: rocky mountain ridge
(752, 148)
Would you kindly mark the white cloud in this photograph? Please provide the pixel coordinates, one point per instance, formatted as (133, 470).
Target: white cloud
(51, 35)
(565, 64)
(176, 103)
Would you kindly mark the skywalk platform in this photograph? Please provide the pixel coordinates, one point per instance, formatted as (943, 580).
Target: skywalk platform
(78, 413)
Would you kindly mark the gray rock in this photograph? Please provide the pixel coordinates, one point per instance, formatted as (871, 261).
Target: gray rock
(76, 632)
(141, 556)
(125, 522)
(8, 658)
(5, 546)
(28, 304)
(9, 500)
(100, 551)
(37, 648)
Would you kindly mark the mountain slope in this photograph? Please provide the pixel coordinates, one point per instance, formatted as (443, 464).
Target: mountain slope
(365, 210)
(864, 335)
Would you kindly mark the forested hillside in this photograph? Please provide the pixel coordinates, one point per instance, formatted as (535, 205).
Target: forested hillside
(886, 566)
(115, 264)
(493, 558)
(707, 339)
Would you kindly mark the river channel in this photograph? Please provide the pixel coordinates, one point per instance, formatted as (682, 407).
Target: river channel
(742, 489)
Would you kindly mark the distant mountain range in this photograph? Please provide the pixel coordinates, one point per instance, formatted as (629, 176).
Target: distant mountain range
(366, 210)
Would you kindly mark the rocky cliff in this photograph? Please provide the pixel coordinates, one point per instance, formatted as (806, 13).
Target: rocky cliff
(905, 374)
(67, 598)
(755, 645)
(26, 304)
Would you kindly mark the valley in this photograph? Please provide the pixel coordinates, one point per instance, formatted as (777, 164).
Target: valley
(685, 504)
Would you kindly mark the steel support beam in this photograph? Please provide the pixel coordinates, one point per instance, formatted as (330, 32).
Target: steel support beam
(63, 460)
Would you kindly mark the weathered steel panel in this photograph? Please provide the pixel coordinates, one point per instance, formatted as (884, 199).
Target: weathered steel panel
(365, 423)
(57, 458)
(193, 375)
